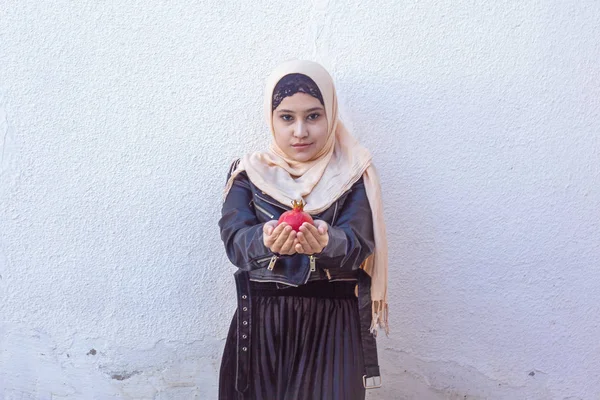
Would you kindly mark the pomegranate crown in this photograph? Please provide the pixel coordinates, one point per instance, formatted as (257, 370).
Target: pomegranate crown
(298, 204)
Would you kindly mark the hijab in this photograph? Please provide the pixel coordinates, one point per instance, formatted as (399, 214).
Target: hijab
(322, 180)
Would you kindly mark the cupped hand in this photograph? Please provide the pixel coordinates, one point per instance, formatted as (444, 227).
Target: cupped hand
(280, 238)
(312, 239)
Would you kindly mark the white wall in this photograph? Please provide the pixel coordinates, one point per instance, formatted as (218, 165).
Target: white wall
(118, 122)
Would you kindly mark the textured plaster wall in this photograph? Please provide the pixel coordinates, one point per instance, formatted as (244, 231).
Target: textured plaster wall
(118, 121)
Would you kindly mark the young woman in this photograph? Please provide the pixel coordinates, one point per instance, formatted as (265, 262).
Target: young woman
(309, 302)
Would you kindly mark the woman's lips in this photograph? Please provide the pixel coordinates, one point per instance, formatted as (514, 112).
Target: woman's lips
(301, 146)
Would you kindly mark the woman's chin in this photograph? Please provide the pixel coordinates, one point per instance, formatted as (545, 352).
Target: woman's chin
(299, 156)
(302, 157)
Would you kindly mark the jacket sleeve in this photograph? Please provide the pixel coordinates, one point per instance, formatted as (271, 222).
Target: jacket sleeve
(351, 238)
(241, 231)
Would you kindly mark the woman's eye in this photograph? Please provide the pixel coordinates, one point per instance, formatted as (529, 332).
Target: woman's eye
(314, 116)
(286, 117)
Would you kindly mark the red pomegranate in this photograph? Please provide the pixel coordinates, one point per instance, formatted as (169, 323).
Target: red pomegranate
(297, 216)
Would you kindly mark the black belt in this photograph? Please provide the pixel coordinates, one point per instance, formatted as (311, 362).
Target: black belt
(369, 344)
(244, 329)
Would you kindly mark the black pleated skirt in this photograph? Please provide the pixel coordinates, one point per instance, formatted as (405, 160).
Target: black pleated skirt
(305, 345)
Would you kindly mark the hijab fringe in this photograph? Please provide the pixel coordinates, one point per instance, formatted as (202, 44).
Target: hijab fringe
(380, 317)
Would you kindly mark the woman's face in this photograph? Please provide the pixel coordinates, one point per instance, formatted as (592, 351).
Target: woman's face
(300, 126)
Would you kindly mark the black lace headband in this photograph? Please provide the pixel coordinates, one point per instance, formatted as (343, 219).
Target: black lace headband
(291, 84)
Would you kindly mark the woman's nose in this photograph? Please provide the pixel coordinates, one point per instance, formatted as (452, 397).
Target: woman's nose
(300, 130)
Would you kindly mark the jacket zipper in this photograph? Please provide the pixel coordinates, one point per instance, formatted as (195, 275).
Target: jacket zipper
(307, 277)
(259, 208)
(272, 203)
(334, 212)
(269, 280)
(272, 263)
(313, 266)
(262, 260)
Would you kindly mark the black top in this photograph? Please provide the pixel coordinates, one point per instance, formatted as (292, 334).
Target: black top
(350, 226)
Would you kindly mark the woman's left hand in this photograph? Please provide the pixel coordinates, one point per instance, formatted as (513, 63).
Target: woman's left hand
(312, 239)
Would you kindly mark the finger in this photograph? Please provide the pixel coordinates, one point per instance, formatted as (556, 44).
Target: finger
(322, 238)
(281, 239)
(322, 226)
(279, 229)
(306, 247)
(297, 245)
(311, 239)
(288, 246)
(311, 228)
(268, 230)
(302, 238)
(272, 239)
(310, 231)
(269, 227)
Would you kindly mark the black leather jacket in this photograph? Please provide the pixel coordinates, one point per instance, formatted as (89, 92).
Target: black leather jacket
(245, 211)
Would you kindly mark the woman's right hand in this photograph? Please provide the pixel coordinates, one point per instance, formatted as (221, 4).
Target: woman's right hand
(279, 239)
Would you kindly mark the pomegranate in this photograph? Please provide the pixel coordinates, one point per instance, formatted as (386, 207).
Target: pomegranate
(297, 216)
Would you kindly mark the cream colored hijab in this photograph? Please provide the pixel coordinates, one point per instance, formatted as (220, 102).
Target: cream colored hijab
(322, 180)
